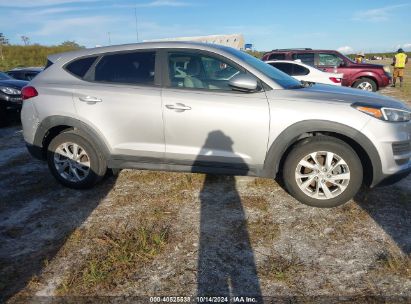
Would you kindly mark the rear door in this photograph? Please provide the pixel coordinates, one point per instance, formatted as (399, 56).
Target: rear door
(307, 58)
(206, 123)
(121, 98)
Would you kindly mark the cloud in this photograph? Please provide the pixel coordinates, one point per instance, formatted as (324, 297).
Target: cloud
(155, 3)
(406, 46)
(158, 3)
(36, 3)
(378, 14)
(346, 49)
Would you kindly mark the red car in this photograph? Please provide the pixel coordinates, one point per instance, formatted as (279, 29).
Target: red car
(370, 77)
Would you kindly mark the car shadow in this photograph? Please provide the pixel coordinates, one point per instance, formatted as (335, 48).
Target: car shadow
(37, 216)
(226, 265)
(390, 208)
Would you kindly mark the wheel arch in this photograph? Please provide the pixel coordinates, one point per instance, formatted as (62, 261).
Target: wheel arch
(51, 126)
(374, 77)
(299, 131)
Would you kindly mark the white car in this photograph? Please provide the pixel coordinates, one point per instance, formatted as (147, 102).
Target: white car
(301, 71)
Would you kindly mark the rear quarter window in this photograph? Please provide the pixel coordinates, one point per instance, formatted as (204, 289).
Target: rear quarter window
(299, 70)
(80, 66)
(276, 57)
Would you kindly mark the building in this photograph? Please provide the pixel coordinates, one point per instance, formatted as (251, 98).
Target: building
(233, 40)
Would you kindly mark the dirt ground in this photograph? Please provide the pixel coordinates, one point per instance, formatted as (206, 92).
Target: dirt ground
(144, 233)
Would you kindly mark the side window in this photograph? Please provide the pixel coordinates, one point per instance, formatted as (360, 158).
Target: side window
(299, 70)
(276, 57)
(307, 58)
(198, 71)
(80, 66)
(329, 59)
(283, 66)
(127, 68)
(30, 76)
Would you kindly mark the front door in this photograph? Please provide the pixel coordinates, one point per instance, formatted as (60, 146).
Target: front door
(206, 123)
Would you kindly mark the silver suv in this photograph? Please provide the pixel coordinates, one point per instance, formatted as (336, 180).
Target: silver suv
(194, 107)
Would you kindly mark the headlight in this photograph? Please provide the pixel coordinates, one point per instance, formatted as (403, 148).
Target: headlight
(387, 69)
(10, 91)
(386, 114)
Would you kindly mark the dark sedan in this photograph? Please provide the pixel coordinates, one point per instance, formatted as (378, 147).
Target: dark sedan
(24, 73)
(10, 96)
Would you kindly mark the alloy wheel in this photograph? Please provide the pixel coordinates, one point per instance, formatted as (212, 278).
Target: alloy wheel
(322, 175)
(72, 162)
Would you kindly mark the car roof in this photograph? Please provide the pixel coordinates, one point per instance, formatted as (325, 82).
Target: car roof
(291, 61)
(136, 46)
(300, 51)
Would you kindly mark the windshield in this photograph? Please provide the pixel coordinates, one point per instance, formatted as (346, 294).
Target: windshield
(4, 76)
(348, 58)
(276, 75)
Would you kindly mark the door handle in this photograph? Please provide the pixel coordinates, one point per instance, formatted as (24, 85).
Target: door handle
(90, 99)
(179, 107)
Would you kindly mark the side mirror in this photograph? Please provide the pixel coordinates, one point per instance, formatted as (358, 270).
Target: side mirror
(243, 82)
(342, 64)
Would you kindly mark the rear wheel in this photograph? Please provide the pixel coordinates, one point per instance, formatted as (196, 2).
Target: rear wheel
(365, 84)
(322, 172)
(74, 161)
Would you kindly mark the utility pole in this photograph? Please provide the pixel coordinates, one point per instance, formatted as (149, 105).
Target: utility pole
(109, 38)
(135, 15)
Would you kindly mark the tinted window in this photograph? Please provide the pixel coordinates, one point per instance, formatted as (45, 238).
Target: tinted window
(80, 67)
(31, 75)
(130, 68)
(299, 70)
(276, 57)
(49, 63)
(307, 58)
(283, 66)
(11, 74)
(329, 59)
(191, 70)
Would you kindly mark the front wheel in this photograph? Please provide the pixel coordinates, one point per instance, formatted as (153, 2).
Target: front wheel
(365, 84)
(323, 172)
(74, 161)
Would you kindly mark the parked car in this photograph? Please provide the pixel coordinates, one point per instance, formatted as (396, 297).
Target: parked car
(10, 95)
(25, 73)
(305, 72)
(168, 106)
(364, 76)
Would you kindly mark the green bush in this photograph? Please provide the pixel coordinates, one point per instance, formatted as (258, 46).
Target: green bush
(31, 55)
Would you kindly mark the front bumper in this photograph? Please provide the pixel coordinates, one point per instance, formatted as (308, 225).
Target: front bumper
(385, 80)
(393, 144)
(394, 178)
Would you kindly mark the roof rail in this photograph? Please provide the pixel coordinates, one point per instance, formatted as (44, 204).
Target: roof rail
(294, 49)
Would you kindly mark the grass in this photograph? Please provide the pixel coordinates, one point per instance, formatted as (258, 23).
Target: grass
(117, 256)
(283, 268)
(390, 263)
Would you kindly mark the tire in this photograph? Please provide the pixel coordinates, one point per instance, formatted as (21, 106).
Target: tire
(80, 172)
(365, 84)
(297, 173)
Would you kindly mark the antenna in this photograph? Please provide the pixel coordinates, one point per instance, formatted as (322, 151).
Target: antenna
(135, 15)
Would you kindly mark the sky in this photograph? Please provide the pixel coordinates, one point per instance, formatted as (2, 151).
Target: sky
(349, 26)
